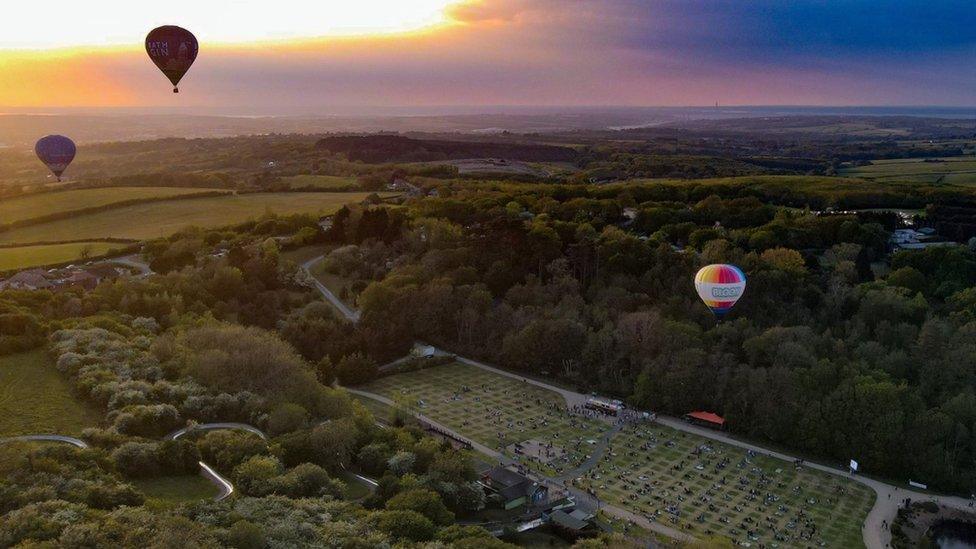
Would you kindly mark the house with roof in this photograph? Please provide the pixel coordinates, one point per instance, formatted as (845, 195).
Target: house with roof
(706, 419)
(31, 279)
(575, 524)
(512, 489)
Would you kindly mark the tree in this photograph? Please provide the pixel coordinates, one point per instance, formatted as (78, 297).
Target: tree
(425, 502)
(404, 525)
(356, 369)
(286, 417)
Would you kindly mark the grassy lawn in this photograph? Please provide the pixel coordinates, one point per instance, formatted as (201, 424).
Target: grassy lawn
(683, 480)
(167, 491)
(36, 399)
(709, 488)
(156, 219)
(38, 205)
(23, 257)
(325, 182)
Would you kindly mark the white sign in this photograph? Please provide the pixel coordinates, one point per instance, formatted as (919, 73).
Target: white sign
(918, 485)
(853, 465)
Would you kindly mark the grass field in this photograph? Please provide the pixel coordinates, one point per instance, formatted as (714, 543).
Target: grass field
(167, 491)
(23, 257)
(685, 481)
(495, 411)
(957, 170)
(709, 488)
(325, 182)
(156, 219)
(36, 399)
(39, 205)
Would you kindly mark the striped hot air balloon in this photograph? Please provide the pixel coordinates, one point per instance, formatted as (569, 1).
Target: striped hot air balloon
(720, 286)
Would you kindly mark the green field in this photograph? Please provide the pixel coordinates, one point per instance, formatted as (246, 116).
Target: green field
(168, 491)
(686, 481)
(325, 182)
(42, 204)
(157, 219)
(36, 399)
(709, 488)
(23, 257)
(495, 411)
(957, 170)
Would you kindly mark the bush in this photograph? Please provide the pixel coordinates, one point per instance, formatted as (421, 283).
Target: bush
(425, 502)
(150, 421)
(405, 525)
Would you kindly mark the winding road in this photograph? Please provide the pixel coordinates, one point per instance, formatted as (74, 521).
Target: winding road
(217, 427)
(224, 485)
(352, 315)
(48, 438)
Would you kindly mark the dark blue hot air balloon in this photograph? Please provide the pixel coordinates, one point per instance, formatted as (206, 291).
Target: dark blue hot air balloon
(57, 151)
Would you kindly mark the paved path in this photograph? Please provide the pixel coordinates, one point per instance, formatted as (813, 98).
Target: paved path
(215, 427)
(133, 260)
(226, 488)
(47, 438)
(351, 315)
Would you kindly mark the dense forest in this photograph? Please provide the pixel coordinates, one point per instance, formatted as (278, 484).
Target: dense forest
(838, 349)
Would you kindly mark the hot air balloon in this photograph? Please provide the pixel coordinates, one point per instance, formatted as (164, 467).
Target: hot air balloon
(720, 286)
(57, 151)
(173, 50)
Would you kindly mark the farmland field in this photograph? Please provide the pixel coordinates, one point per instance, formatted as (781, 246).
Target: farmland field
(36, 399)
(683, 480)
(957, 170)
(156, 219)
(42, 204)
(23, 257)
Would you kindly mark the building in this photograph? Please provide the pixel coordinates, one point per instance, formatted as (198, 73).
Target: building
(707, 419)
(573, 525)
(87, 277)
(912, 239)
(512, 489)
(32, 279)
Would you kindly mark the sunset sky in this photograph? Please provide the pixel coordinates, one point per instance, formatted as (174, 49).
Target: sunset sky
(326, 54)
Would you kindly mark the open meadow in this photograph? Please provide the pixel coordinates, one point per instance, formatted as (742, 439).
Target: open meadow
(22, 257)
(685, 481)
(157, 219)
(44, 204)
(956, 170)
(35, 398)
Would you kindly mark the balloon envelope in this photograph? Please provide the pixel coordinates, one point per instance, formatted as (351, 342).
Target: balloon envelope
(173, 50)
(57, 151)
(720, 286)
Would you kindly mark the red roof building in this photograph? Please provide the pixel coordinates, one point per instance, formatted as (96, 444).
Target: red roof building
(706, 418)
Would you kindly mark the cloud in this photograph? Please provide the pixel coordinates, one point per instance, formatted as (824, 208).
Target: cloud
(568, 52)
